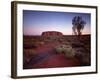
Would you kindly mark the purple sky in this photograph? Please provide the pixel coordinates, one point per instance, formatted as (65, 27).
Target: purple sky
(36, 22)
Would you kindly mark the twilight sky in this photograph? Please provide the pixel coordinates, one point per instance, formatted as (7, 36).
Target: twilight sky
(36, 22)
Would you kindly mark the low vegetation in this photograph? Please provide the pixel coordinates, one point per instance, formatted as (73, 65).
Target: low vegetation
(66, 49)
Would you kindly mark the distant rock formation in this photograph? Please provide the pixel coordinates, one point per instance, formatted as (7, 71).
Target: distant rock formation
(52, 33)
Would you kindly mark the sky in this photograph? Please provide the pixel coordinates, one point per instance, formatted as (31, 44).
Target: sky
(36, 22)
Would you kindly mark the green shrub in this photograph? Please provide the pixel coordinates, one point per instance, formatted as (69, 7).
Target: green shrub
(59, 49)
(66, 49)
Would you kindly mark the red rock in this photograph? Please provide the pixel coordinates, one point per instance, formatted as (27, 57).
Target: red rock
(52, 33)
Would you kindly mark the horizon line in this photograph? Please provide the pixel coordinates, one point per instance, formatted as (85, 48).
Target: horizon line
(62, 35)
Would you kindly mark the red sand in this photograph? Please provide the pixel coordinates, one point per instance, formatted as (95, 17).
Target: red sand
(55, 60)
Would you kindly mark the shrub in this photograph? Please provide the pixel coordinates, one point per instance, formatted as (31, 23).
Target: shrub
(66, 49)
(41, 43)
(29, 52)
(69, 53)
(59, 49)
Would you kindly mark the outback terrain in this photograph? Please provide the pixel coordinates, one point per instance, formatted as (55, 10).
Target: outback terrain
(56, 51)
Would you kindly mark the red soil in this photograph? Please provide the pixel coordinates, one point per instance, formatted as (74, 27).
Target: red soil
(57, 61)
(54, 60)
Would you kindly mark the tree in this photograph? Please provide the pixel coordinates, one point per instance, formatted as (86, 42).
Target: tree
(78, 25)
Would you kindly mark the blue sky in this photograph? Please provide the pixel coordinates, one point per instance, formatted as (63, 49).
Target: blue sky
(36, 22)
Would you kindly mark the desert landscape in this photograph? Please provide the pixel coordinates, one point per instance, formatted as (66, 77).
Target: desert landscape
(53, 49)
(56, 39)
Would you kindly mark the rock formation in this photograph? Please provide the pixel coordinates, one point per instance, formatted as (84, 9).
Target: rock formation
(52, 33)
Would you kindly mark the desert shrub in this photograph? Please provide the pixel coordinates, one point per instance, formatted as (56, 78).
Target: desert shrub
(77, 44)
(41, 43)
(83, 55)
(59, 49)
(66, 49)
(29, 51)
(85, 59)
(66, 42)
(69, 51)
(28, 54)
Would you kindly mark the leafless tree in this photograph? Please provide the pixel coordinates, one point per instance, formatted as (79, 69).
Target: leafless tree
(78, 25)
